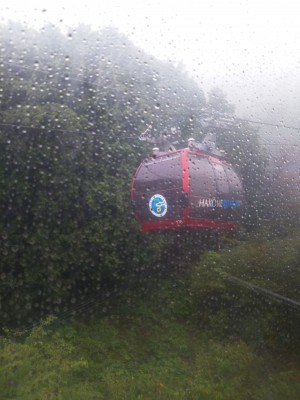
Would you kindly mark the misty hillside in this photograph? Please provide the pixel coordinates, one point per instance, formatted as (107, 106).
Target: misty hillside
(90, 306)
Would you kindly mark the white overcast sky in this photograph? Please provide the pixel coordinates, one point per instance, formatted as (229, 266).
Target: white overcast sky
(251, 49)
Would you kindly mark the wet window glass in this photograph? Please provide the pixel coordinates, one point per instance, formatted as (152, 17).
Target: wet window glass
(149, 200)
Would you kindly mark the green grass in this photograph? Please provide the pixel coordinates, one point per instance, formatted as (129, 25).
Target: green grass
(137, 357)
(175, 338)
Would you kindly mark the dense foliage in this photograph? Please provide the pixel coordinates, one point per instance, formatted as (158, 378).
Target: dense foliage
(252, 291)
(109, 361)
(192, 335)
(72, 107)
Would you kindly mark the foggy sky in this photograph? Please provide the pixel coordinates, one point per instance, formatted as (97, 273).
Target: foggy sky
(250, 49)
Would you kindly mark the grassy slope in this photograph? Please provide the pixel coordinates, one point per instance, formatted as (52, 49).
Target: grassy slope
(152, 345)
(139, 354)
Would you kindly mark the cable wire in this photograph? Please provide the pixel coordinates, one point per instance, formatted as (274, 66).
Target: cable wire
(267, 292)
(279, 125)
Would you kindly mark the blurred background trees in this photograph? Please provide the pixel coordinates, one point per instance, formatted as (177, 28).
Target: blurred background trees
(72, 108)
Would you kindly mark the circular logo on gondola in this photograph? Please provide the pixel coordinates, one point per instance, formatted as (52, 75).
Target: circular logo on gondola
(158, 205)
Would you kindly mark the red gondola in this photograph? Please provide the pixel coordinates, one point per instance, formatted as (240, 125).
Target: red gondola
(187, 188)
